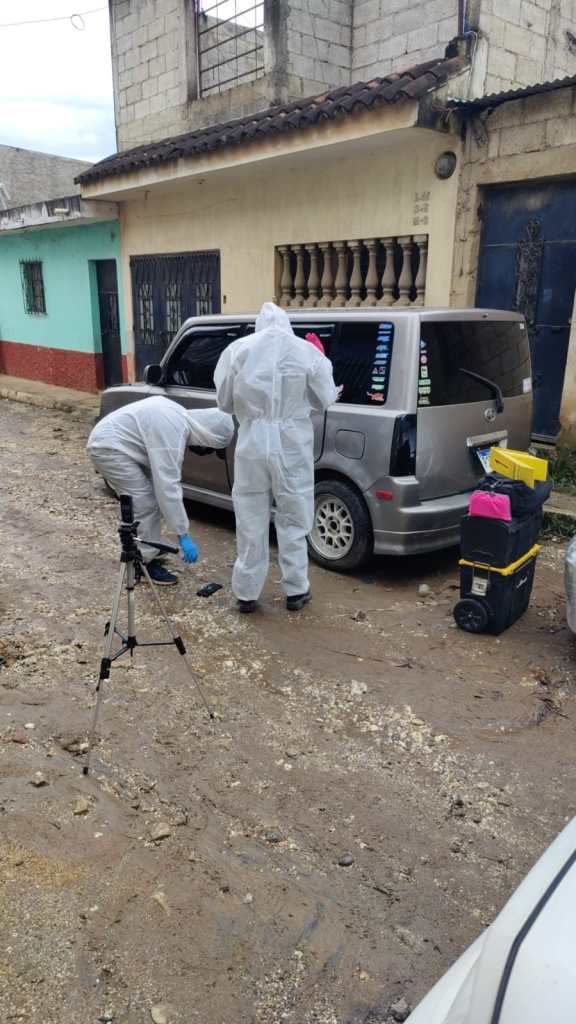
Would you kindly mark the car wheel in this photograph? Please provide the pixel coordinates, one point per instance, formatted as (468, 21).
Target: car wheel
(341, 537)
(471, 615)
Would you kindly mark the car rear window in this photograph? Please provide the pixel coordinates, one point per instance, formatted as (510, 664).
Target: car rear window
(496, 350)
(361, 361)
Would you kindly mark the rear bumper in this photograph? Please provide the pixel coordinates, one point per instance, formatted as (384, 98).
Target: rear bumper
(412, 529)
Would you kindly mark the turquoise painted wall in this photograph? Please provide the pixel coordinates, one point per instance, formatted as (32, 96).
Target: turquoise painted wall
(71, 320)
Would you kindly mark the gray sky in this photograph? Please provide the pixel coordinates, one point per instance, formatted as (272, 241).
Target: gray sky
(56, 81)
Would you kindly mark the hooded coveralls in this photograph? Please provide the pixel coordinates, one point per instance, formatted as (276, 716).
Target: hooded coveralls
(272, 381)
(139, 450)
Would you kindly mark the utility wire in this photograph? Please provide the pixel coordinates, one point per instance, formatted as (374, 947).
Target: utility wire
(63, 17)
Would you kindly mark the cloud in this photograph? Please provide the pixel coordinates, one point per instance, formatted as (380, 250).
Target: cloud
(56, 82)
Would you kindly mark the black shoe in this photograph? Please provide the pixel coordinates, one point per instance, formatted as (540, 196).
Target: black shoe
(247, 606)
(160, 575)
(297, 601)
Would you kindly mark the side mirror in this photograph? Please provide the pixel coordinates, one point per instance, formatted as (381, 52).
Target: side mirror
(153, 374)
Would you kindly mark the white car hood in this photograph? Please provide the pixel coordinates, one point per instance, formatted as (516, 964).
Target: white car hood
(522, 969)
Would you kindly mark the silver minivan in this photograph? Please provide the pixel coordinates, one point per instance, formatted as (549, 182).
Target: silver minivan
(426, 393)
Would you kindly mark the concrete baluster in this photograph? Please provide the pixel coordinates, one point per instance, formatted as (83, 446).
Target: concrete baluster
(420, 282)
(372, 272)
(405, 279)
(341, 274)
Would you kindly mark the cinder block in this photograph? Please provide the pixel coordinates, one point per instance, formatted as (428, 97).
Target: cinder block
(174, 96)
(493, 144)
(493, 28)
(131, 59)
(149, 88)
(123, 42)
(149, 51)
(393, 48)
(158, 66)
(166, 81)
(141, 36)
(127, 25)
(422, 37)
(407, 20)
(157, 103)
(156, 28)
(365, 56)
(125, 79)
(501, 63)
(140, 73)
(522, 41)
(134, 93)
(522, 139)
(528, 72)
(300, 21)
(560, 131)
(447, 29)
(332, 32)
(366, 12)
(173, 22)
(339, 55)
(172, 60)
(142, 109)
(508, 10)
(534, 18)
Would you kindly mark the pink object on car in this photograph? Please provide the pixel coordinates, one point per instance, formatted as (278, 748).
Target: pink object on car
(315, 340)
(490, 506)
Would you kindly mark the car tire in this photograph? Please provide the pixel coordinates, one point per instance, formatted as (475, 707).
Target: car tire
(471, 615)
(341, 538)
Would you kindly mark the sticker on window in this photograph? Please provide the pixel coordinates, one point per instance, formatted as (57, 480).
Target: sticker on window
(378, 384)
(526, 385)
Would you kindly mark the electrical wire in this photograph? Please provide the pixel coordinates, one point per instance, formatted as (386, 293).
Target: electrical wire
(79, 16)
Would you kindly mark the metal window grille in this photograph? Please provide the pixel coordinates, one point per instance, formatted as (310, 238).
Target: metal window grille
(146, 310)
(33, 286)
(230, 39)
(173, 306)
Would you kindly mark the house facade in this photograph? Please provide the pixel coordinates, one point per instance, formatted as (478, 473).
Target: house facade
(321, 153)
(61, 308)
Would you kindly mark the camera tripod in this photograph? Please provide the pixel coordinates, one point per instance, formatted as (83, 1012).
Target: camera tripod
(133, 568)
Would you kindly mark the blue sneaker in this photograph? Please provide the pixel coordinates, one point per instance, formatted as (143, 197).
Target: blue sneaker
(160, 575)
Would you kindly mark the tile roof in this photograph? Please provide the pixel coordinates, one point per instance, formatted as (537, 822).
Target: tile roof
(412, 83)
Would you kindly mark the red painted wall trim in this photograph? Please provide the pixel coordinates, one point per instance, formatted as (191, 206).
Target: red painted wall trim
(63, 367)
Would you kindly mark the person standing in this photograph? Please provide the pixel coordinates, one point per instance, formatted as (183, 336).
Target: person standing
(139, 450)
(273, 381)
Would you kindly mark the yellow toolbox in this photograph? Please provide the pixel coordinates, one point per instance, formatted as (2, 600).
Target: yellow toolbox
(518, 465)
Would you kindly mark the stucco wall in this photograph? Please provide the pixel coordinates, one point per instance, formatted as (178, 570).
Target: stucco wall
(71, 322)
(522, 141)
(373, 190)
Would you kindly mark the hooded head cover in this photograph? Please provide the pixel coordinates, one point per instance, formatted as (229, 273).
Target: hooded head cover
(210, 428)
(274, 318)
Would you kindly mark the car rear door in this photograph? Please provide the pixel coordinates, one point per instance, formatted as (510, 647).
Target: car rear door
(457, 420)
(189, 380)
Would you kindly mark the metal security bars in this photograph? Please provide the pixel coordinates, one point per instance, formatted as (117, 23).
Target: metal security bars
(33, 286)
(166, 289)
(230, 41)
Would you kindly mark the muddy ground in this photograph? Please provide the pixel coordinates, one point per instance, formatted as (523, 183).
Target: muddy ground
(367, 726)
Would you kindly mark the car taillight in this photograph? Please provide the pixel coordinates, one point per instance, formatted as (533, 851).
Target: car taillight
(403, 451)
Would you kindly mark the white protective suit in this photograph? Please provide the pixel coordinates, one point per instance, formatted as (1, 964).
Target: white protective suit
(272, 381)
(139, 450)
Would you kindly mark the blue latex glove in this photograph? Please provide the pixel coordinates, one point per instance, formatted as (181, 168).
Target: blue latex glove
(189, 549)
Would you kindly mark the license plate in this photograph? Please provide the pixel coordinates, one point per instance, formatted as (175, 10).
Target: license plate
(484, 456)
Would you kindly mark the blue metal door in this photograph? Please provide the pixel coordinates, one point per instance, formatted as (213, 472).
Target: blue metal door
(528, 263)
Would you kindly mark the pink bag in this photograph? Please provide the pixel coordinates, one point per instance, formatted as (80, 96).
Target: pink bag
(490, 506)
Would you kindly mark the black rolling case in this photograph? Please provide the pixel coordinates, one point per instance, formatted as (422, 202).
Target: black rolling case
(496, 542)
(492, 599)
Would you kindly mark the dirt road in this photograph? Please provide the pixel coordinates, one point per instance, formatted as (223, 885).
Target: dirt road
(195, 876)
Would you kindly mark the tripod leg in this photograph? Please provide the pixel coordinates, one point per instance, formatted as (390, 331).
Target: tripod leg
(178, 641)
(130, 584)
(105, 664)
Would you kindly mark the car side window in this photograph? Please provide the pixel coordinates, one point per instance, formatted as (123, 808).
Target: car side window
(361, 361)
(193, 363)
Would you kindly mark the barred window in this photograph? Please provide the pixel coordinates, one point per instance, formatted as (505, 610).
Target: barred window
(230, 37)
(33, 286)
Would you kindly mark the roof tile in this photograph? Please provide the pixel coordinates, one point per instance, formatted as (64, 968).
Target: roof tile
(411, 83)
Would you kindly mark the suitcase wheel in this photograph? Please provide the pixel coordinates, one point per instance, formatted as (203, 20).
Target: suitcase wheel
(471, 615)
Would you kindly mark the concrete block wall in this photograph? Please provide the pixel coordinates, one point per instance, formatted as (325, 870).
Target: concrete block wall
(391, 34)
(524, 140)
(529, 41)
(150, 69)
(319, 42)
